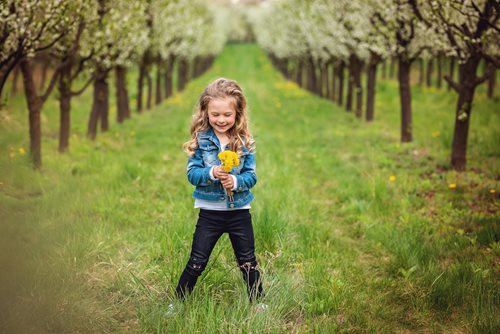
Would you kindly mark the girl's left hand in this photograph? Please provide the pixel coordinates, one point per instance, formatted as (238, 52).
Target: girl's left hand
(227, 182)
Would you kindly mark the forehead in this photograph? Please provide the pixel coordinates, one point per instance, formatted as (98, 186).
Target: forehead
(221, 105)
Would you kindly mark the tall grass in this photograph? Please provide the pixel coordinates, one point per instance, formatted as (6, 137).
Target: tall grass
(103, 232)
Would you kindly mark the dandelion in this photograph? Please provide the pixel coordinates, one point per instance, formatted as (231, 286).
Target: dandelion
(22, 151)
(12, 155)
(452, 185)
(492, 191)
(435, 134)
(392, 178)
(229, 160)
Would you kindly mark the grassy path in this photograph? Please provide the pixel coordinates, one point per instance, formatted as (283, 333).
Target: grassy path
(107, 228)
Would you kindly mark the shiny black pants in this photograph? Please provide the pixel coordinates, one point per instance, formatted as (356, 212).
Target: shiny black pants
(211, 225)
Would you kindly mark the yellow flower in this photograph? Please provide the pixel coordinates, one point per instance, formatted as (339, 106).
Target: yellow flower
(22, 151)
(392, 178)
(435, 134)
(229, 160)
(492, 191)
(12, 155)
(452, 185)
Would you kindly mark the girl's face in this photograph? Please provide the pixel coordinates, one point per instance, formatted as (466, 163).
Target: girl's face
(221, 115)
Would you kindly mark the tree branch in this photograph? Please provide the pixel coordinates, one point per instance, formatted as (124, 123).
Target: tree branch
(79, 92)
(456, 86)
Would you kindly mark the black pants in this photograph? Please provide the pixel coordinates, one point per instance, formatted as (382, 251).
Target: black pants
(211, 225)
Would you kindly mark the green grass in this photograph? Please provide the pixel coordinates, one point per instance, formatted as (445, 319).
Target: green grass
(96, 241)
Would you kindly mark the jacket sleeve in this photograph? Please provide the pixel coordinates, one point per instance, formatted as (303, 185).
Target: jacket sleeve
(197, 173)
(247, 177)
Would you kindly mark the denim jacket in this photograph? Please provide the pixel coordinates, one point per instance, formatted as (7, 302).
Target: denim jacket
(198, 173)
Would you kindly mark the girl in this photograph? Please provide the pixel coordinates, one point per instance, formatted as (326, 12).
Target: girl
(220, 123)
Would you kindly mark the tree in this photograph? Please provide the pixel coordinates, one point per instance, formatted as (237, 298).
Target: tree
(472, 31)
(28, 27)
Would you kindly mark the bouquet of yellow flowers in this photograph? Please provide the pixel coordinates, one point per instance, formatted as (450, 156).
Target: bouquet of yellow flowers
(229, 160)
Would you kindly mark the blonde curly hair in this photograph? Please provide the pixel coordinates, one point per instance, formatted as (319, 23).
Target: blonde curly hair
(239, 134)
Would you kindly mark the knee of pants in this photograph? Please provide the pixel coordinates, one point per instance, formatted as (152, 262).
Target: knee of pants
(196, 266)
(248, 266)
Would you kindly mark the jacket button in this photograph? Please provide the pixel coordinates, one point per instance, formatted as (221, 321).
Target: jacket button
(241, 188)
(231, 206)
(209, 182)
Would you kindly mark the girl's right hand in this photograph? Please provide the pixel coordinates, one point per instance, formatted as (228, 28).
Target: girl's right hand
(219, 173)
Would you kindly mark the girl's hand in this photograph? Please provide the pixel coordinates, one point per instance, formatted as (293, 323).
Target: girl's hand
(227, 182)
(219, 173)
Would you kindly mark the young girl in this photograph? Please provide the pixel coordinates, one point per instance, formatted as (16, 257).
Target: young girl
(221, 123)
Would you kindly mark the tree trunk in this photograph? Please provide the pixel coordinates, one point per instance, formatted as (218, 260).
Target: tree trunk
(149, 82)
(370, 89)
(439, 82)
(421, 72)
(35, 104)
(45, 68)
(384, 70)
(311, 76)
(340, 96)
(169, 67)
(357, 87)
(463, 112)
(64, 108)
(392, 68)
(123, 108)
(99, 104)
(452, 71)
(430, 65)
(104, 112)
(492, 82)
(300, 76)
(350, 83)
(405, 99)
(182, 76)
(333, 79)
(140, 85)
(15, 81)
(158, 95)
(322, 77)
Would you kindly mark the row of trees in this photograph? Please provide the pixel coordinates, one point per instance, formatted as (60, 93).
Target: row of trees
(85, 41)
(308, 40)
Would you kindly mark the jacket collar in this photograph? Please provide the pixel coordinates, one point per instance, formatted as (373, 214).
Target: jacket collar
(210, 135)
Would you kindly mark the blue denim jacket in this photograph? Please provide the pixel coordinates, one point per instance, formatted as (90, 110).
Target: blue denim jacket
(198, 173)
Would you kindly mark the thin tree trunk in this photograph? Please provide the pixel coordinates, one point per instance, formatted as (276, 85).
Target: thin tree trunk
(370, 89)
(332, 74)
(405, 99)
(392, 67)
(439, 82)
(15, 81)
(350, 85)
(99, 104)
(169, 67)
(64, 108)
(340, 97)
(300, 76)
(384, 69)
(311, 75)
(34, 106)
(452, 71)
(123, 108)
(104, 112)
(492, 82)
(149, 82)
(45, 68)
(421, 72)
(430, 65)
(182, 77)
(140, 85)
(158, 94)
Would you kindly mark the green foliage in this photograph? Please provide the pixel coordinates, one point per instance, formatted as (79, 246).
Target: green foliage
(96, 241)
